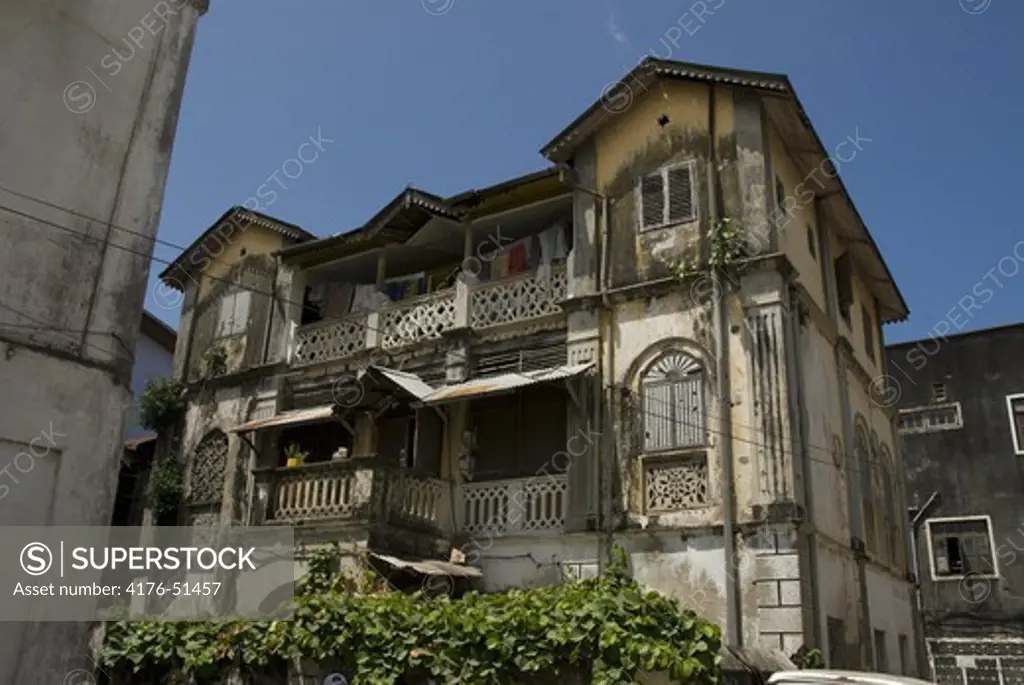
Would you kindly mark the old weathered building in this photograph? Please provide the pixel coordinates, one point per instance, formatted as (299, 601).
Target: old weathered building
(961, 401)
(533, 372)
(91, 93)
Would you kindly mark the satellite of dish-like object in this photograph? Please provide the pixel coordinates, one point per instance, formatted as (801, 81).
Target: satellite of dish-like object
(335, 679)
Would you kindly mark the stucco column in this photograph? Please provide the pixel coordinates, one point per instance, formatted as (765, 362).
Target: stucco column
(753, 160)
(291, 289)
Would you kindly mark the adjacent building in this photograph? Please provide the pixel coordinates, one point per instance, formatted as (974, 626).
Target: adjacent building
(506, 382)
(961, 405)
(91, 97)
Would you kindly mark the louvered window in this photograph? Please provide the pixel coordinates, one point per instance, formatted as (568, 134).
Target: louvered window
(673, 404)
(667, 196)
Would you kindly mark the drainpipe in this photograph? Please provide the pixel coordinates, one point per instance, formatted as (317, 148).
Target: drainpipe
(733, 610)
(607, 463)
(920, 642)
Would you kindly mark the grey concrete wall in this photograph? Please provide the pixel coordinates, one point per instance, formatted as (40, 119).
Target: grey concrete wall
(974, 469)
(91, 97)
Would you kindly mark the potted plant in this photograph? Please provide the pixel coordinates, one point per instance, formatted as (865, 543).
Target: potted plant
(295, 456)
(340, 454)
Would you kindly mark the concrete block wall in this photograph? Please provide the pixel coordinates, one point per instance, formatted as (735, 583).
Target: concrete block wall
(778, 588)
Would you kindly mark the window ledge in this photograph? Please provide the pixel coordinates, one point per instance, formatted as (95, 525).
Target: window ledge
(674, 454)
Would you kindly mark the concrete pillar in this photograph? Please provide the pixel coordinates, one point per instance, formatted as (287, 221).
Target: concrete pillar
(753, 159)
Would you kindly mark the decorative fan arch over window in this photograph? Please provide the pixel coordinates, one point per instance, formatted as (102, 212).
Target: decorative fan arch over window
(207, 468)
(672, 391)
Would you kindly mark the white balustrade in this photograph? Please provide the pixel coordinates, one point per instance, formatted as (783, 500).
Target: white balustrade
(329, 340)
(421, 319)
(514, 507)
(522, 298)
(420, 500)
(319, 491)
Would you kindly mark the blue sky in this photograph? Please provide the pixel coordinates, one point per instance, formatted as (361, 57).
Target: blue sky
(455, 94)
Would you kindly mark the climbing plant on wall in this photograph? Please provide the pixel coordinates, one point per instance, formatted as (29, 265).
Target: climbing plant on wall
(161, 404)
(608, 628)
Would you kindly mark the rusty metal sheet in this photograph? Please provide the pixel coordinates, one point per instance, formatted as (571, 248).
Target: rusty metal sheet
(288, 418)
(480, 387)
(431, 567)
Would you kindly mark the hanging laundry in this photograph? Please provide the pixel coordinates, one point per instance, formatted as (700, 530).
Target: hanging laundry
(363, 298)
(518, 256)
(499, 266)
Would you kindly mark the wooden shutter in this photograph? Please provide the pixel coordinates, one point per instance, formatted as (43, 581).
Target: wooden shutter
(689, 411)
(658, 418)
(241, 312)
(227, 311)
(652, 200)
(680, 194)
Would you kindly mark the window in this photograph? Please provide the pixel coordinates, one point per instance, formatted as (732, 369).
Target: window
(673, 403)
(901, 641)
(881, 658)
(960, 546)
(844, 285)
(869, 331)
(234, 313)
(932, 418)
(1015, 406)
(810, 242)
(667, 196)
(938, 392)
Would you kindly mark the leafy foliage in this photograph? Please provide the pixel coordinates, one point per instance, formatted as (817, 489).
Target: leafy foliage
(215, 361)
(608, 627)
(808, 657)
(166, 485)
(161, 404)
(727, 242)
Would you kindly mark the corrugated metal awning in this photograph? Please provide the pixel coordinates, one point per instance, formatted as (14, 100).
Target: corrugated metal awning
(480, 387)
(289, 418)
(430, 567)
(409, 383)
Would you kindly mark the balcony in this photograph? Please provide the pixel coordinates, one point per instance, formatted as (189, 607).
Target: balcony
(348, 492)
(508, 302)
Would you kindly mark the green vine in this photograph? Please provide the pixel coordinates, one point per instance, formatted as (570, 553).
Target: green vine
(215, 361)
(166, 485)
(727, 243)
(608, 628)
(161, 404)
(808, 657)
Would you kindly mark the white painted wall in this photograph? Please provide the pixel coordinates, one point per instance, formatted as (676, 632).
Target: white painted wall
(152, 361)
(891, 604)
(71, 288)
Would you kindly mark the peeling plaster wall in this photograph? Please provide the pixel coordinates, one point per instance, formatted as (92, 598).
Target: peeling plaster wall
(839, 594)
(825, 426)
(890, 600)
(72, 288)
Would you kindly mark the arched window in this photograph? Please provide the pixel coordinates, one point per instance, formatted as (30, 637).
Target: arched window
(889, 495)
(206, 482)
(861, 449)
(672, 390)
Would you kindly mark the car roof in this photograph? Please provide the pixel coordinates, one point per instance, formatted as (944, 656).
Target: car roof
(829, 676)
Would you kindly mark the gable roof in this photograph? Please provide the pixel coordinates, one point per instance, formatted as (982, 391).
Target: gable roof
(410, 211)
(157, 331)
(236, 218)
(783, 106)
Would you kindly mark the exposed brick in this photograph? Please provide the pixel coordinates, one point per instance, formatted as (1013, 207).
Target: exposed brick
(789, 592)
(768, 593)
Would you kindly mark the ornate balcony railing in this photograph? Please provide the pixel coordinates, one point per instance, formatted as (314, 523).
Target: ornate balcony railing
(515, 507)
(327, 340)
(519, 299)
(522, 298)
(422, 319)
(335, 490)
(419, 501)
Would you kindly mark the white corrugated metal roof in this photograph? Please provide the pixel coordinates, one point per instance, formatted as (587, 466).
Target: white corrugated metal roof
(479, 387)
(830, 677)
(431, 567)
(409, 382)
(288, 418)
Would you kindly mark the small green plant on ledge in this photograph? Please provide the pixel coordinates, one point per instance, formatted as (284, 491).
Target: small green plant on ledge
(727, 242)
(161, 404)
(808, 657)
(294, 455)
(166, 485)
(215, 361)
